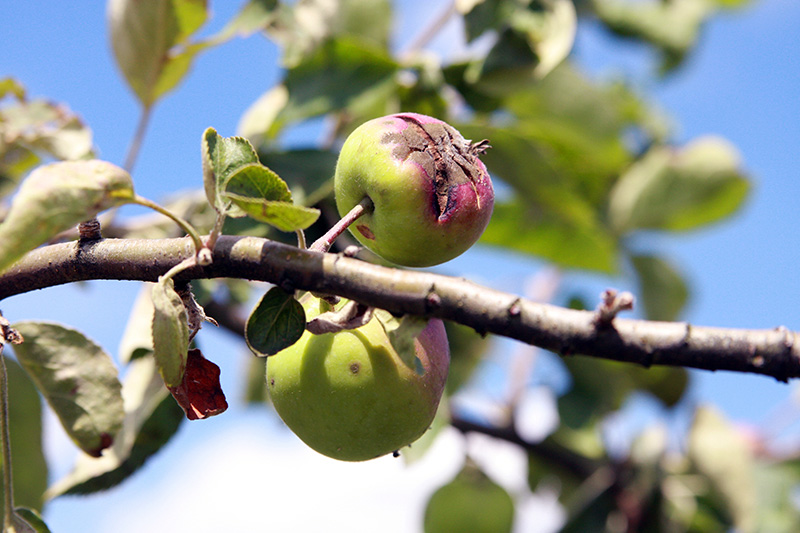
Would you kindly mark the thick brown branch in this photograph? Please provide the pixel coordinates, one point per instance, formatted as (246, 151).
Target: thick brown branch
(772, 352)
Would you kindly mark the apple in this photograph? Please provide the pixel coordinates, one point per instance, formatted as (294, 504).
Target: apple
(470, 502)
(349, 396)
(429, 197)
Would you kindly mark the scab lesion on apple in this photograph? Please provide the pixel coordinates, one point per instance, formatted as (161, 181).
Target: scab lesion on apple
(431, 195)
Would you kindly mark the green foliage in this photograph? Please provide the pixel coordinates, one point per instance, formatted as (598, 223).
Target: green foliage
(238, 185)
(78, 380)
(56, 197)
(151, 419)
(150, 43)
(170, 332)
(277, 322)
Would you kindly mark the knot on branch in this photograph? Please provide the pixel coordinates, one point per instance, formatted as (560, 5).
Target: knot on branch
(611, 304)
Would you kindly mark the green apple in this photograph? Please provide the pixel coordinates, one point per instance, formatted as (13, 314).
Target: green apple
(429, 196)
(470, 502)
(349, 396)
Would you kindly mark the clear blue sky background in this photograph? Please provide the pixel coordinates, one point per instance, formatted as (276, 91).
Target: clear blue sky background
(742, 83)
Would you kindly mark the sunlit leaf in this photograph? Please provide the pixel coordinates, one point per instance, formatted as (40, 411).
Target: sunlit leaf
(151, 418)
(277, 322)
(46, 127)
(663, 291)
(680, 190)
(301, 28)
(77, 378)
(257, 181)
(532, 40)
(57, 197)
(283, 215)
(671, 27)
(222, 157)
(170, 332)
(150, 42)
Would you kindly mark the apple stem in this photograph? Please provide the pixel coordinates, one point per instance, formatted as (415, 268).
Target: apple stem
(323, 244)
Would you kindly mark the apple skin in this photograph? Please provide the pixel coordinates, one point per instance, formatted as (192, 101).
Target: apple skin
(349, 396)
(432, 197)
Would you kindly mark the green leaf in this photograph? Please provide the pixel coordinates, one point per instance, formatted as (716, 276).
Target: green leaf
(25, 421)
(222, 157)
(48, 128)
(277, 322)
(78, 379)
(283, 215)
(721, 453)
(57, 197)
(9, 85)
(403, 333)
(152, 417)
(600, 387)
(170, 332)
(671, 27)
(335, 76)
(301, 28)
(679, 190)
(32, 520)
(663, 292)
(573, 244)
(257, 181)
(149, 40)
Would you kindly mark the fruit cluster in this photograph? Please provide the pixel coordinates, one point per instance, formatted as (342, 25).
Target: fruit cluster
(424, 197)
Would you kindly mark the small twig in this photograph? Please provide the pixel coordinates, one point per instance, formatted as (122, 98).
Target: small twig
(90, 230)
(323, 244)
(611, 304)
(138, 138)
(301, 239)
(184, 225)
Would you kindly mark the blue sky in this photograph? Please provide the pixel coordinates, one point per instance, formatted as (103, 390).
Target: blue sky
(742, 83)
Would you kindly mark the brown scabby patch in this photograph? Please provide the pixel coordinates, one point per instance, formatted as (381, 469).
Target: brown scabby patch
(444, 154)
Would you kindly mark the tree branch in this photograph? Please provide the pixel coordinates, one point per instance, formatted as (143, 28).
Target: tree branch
(773, 352)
